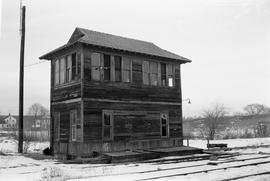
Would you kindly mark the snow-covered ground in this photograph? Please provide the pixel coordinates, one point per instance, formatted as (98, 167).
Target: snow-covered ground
(15, 166)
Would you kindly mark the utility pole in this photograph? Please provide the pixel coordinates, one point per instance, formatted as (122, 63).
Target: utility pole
(20, 143)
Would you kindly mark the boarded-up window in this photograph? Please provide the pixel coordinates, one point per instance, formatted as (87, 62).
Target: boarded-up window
(118, 68)
(163, 74)
(146, 72)
(107, 125)
(107, 67)
(136, 71)
(62, 70)
(56, 117)
(170, 75)
(126, 70)
(73, 122)
(95, 66)
(56, 72)
(154, 73)
(164, 125)
(69, 68)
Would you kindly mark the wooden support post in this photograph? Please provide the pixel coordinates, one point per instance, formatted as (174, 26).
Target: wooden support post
(20, 141)
(207, 143)
(187, 142)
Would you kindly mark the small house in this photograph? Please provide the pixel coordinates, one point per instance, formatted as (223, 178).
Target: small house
(110, 93)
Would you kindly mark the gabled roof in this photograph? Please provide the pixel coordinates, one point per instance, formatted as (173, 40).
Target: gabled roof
(105, 40)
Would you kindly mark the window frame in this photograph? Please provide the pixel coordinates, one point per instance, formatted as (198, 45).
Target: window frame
(73, 125)
(170, 74)
(153, 74)
(146, 72)
(57, 124)
(107, 68)
(126, 70)
(166, 117)
(111, 126)
(69, 77)
(118, 69)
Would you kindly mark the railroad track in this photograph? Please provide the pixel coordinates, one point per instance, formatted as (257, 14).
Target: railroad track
(190, 166)
(210, 170)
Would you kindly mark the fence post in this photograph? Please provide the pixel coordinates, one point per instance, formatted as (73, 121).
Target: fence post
(207, 143)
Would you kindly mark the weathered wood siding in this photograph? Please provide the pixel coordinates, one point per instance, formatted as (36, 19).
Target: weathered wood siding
(140, 123)
(64, 110)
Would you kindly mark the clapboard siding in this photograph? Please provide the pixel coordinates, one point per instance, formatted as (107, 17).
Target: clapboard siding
(144, 126)
(68, 92)
(123, 91)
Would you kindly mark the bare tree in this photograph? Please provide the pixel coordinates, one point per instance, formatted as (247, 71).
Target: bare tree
(253, 109)
(211, 120)
(37, 109)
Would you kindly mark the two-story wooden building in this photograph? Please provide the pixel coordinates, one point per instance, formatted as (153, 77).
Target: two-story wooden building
(110, 93)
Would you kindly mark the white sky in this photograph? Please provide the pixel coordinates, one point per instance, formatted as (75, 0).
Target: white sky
(227, 40)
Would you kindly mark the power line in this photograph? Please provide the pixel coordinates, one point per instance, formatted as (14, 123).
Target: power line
(29, 65)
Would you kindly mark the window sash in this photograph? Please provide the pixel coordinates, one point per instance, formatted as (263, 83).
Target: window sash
(56, 72)
(163, 74)
(164, 125)
(118, 68)
(146, 72)
(107, 125)
(73, 66)
(95, 66)
(69, 68)
(57, 125)
(107, 67)
(62, 70)
(126, 70)
(154, 73)
(73, 122)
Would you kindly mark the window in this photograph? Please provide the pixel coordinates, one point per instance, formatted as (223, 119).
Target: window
(137, 72)
(154, 73)
(74, 65)
(56, 117)
(107, 67)
(126, 70)
(69, 66)
(62, 70)
(170, 75)
(118, 68)
(146, 72)
(56, 72)
(163, 74)
(95, 66)
(73, 122)
(107, 125)
(164, 125)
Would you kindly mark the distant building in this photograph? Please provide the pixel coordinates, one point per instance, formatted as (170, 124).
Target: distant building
(31, 123)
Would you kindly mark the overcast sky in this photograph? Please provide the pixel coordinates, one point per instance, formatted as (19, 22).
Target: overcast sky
(228, 42)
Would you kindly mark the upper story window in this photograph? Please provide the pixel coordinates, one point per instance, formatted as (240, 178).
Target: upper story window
(163, 74)
(154, 73)
(107, 67)
(118, 68)
(146, 72)
(56, 72)
(123, 69)
(67, 69)
(126, 70)
(62, 70)
(170, 76)
(95, 66)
